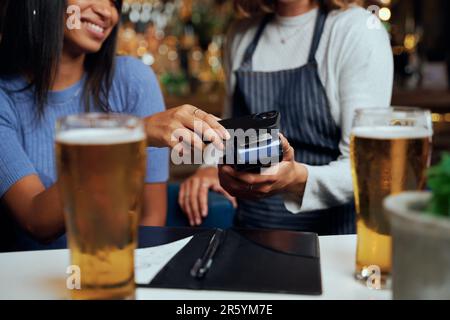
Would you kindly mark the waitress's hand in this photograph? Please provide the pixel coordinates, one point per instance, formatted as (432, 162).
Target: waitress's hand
(186, 124)
(193, 195)
(288, 176)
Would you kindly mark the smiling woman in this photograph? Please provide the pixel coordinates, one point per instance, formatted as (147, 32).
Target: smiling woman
(97, 36)
(49, 70)
(98, 21)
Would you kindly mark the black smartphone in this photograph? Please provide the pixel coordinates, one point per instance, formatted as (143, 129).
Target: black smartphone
(255, 141)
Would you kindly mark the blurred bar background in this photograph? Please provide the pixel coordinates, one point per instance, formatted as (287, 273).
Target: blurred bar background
(183, 40)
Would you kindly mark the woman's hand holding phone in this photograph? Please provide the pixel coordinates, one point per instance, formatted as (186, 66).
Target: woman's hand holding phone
(288, 176)
(186, 123)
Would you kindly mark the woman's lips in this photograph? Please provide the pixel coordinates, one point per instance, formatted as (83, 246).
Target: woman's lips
(95, 30)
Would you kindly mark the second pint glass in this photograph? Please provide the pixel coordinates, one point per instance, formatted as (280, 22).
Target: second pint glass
(390, 152)
(101, 168)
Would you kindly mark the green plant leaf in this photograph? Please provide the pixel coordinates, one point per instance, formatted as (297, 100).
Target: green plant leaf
(439, 183)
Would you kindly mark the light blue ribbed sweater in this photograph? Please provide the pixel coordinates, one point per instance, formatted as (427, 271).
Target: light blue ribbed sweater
(27, 140)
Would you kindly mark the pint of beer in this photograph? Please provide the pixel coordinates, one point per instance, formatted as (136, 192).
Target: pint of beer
(101, 162)
(390, 152)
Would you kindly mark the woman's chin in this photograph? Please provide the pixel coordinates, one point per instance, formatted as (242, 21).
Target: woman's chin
(90, 47)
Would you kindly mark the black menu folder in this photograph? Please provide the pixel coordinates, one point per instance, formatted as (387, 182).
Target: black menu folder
(254, 260)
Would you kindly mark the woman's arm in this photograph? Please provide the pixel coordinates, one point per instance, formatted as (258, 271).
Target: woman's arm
(37, 210)
(364, 76)
(364, 79)
(154, 211)
(140, 94)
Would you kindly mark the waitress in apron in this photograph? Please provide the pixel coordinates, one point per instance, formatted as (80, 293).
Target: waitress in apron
(347, 65)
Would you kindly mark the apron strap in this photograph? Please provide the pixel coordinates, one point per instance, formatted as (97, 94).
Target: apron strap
(247, 60)
(318, 29)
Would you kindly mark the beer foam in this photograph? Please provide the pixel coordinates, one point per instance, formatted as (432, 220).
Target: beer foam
(391, 132)
(100, 136)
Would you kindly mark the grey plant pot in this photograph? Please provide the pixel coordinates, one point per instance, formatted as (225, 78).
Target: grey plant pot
(420, 248)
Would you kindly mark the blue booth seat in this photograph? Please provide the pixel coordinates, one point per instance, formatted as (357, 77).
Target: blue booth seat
(220, 210)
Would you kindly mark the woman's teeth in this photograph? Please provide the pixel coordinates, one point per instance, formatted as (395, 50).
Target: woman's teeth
(94, 27)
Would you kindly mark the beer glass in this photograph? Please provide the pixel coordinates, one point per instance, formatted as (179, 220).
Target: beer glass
(101, 161)
(390, 152)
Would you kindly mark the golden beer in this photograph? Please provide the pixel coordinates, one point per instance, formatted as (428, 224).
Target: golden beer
(385, 160)
(101, 176)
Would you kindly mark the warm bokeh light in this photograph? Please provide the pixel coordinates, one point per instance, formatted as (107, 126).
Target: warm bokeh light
(438, 117)
(385, 14)
(410, 41)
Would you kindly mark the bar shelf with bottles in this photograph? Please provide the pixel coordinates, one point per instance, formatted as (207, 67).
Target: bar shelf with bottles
(182, 40)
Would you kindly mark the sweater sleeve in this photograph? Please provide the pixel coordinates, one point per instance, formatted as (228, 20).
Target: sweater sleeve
(364, 67)
(14, 162)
